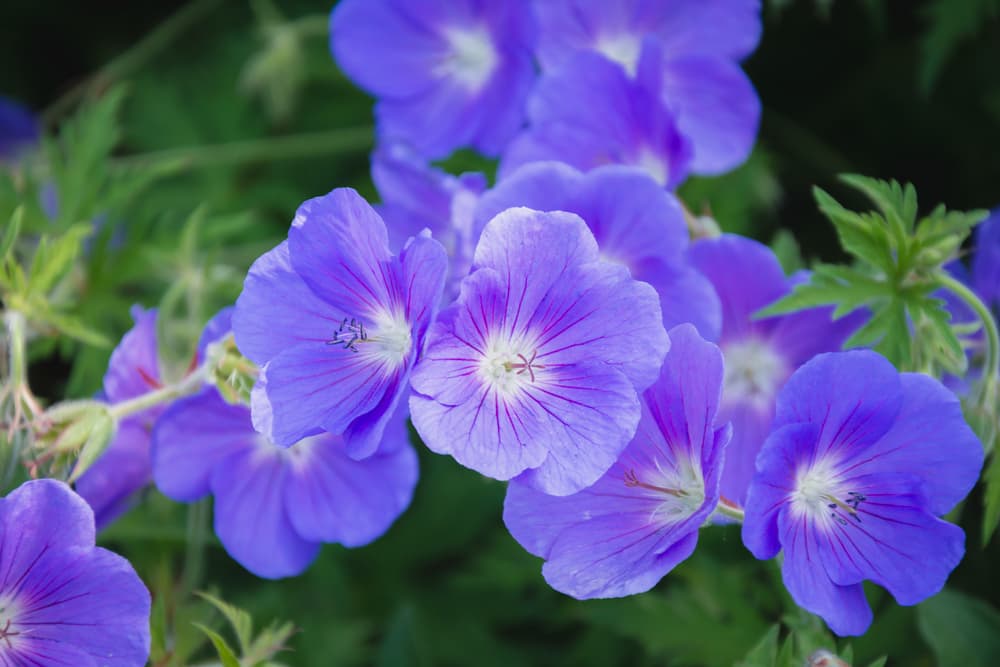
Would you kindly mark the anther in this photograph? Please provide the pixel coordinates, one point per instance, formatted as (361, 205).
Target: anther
(349, 334)
(632, 480)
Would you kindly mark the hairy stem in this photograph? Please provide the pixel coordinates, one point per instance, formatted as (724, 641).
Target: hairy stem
(133, 58)
(189, 385)
(270, 149)
(991, 367)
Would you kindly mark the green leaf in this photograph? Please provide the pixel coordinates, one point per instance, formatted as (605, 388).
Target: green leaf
(765, 653)
(226, 654)
(950, 22)
(962, 631)
(240, 620)
(54, 258)
(862, 236)
(787, 250)
(879, 662)
(10, 234)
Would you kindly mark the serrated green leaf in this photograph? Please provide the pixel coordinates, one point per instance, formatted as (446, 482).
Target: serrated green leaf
(226, 655)
(863, 237)
(239, 620)
(268, 643)
(70, 326)
(54, 258)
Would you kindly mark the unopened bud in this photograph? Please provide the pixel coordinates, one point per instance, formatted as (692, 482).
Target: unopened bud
(72, 435)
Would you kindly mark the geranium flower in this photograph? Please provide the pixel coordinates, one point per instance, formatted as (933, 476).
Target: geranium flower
(535, 368)
(624, 533)
(591, 113)
(446, 73)
(64, 601)
(635, 221)
(760, 353)
(850, 484)
(19, 129)
(700, 42)
(336, 321)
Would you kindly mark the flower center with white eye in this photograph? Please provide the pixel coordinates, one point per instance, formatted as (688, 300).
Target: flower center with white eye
(821, 495)
(9, 632)
(386, 340)
(509, 367)
(753, 373)
(472, 58)
(680, 489)
(623, 48)
(654, 165)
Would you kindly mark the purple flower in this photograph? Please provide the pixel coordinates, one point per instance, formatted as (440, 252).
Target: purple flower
(336, 321)
(64, 601)
(701, 41)
(535, 368)
(861, 462)
(110, 483)
(19, 129)
(591, 113)
(275, 505)
(635, 221)
(760, 354)
(624, 533)
(416, 196)
(447, 73)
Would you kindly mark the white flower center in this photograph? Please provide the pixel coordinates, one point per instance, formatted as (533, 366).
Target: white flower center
(680, 489)
(9, 633)
(623, 48)
(655, 165)
(510, 366)
(821, 494)
(753, 374)
(472, 59)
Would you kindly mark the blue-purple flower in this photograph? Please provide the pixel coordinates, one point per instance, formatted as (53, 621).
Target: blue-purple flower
(850, 484)
(760, 353)
(336, 321)
(417, 196)
(986, 260)
(701, 42)
(446, 73)
(635, 221)
(19, 129)
(274, 506)
(637, 522)
(534, 369)
(64, 601)
(591, 113)
(133, 370)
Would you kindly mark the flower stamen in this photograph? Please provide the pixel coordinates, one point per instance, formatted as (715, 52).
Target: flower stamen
(349, 334)
(526, 364)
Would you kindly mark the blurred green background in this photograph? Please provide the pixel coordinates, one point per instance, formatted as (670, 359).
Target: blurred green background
(246, 100)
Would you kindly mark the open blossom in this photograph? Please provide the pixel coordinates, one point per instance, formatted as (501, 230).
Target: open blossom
(336, 321)
(637, 522)
(591, 113)
(134, 369)
(635, 221)
(701, 42)
(850, 484)
(274, 506)
(535, 368)
(417, 196)
(64, 601)
(760, 353)
(446, 73)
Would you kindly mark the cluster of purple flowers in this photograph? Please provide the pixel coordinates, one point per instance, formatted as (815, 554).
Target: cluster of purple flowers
(560, 330)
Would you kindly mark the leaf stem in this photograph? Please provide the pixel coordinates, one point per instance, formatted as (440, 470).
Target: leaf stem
(728, 508)
(269, 149)
(992, 363)
(134, 57)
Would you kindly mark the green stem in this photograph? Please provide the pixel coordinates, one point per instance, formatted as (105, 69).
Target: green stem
(134, 57)
(197, 535)
(270, 149)
(992, 364)
(185, 387)
(16, 335)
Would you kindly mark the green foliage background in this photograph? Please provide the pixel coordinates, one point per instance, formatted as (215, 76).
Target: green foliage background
(900, 90)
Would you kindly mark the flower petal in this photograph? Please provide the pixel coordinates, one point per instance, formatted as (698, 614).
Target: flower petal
(122, 470)
(251, 519)
(134, 368)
